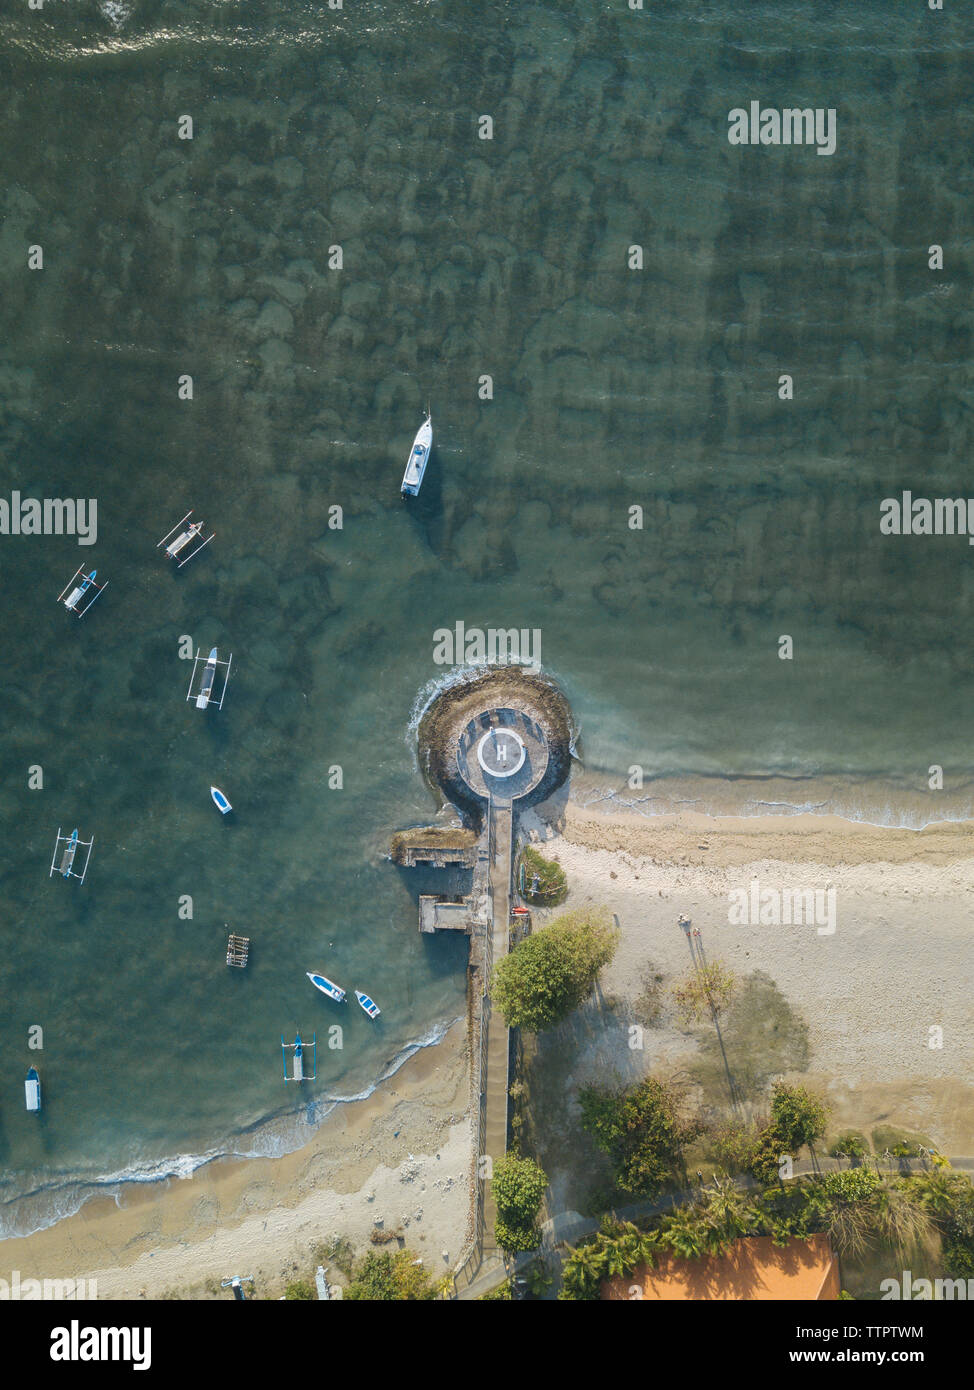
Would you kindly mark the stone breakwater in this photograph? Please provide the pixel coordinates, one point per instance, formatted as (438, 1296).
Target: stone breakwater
(442, 726)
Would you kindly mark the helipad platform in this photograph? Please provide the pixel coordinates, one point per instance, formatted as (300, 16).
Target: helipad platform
(502, 754)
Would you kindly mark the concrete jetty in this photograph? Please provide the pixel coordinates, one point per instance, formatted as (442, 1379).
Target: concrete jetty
(492, 744)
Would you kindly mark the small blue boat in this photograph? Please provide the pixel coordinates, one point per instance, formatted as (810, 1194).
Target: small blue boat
(371, 1008)
(220, 801)
(32, 1087)
(326, 986)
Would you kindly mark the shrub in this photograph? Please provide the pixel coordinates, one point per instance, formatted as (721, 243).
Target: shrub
(301, 1289)
(385, 1277)
(518, 1186)
(850, 1145)
(544, 879)
(705, 992)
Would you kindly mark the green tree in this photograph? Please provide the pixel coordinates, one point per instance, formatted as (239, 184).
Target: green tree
(640, 1130)
(518, 1186)
(797, 1117)
(548, 974)
(733, 1147)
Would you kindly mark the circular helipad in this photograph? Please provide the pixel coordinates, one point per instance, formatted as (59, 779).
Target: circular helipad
(501, 752)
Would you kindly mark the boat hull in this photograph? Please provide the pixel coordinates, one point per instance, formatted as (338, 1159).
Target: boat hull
(220, 801)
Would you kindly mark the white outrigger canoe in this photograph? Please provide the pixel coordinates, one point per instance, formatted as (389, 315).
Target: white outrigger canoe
(326, 986)
(370, 1008)
(412, 479)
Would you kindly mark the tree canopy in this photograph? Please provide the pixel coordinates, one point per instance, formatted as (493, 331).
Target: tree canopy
(518, 1185)
(641, 1131)
(548, 974)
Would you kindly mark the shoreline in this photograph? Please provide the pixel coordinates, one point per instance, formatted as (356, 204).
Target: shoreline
(409, 1146)
(402, 1156)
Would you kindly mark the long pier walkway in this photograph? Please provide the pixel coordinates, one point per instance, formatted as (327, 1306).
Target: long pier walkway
(497, 1079)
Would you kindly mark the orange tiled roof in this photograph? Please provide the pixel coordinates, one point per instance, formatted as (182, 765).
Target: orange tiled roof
(752, 1269)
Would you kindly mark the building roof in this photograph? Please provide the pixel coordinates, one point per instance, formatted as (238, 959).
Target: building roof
(753, 1268)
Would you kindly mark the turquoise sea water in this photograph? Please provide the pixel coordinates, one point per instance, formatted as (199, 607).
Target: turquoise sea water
(612, 388)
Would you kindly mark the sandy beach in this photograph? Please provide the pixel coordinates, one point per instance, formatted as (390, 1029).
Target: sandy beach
(852, 1014)
(848, 1012)
(403, 1157)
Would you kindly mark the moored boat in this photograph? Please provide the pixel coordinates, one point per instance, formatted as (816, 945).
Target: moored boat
(371, 1008)
(32, 1087)
(70, 850)
(412, 479)
(209, 676)
(326, 986)
(220, 801)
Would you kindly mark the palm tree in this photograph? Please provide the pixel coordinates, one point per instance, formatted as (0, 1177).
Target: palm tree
(584, 1271)
(939, 1189)
(684, 1233)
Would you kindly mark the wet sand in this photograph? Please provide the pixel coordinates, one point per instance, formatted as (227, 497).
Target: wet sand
(403, 1156)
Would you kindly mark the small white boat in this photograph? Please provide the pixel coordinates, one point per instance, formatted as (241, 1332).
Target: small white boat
(220, 801)
(326, 986)
(32, 1087)
(370, 1008)
(412, 479)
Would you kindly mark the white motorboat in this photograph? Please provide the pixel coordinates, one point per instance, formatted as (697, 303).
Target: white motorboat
(412, 479)
(326, 986)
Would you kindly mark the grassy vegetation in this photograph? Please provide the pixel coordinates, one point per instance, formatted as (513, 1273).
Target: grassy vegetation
(545, 884)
